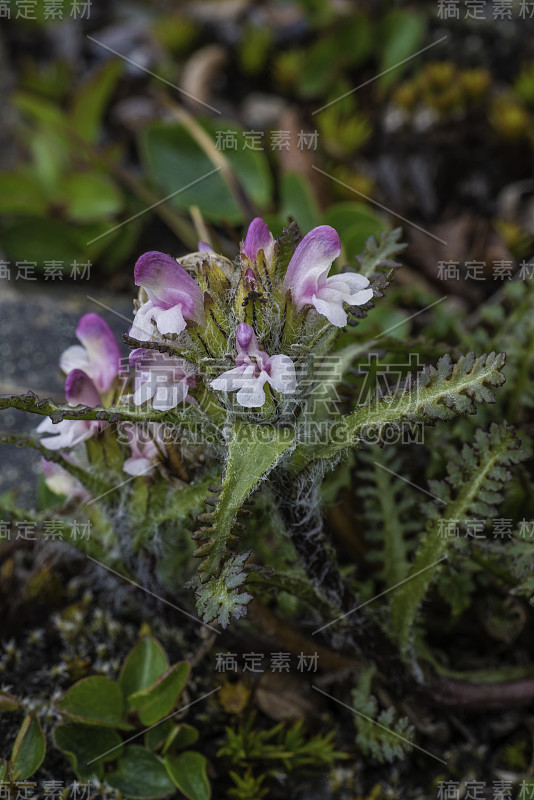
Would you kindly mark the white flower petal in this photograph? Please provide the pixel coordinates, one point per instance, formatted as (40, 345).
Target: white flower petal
(310, 263)
(138, 465)
(360, 298)
(282, 375)
(143, 328)
(68, 433)
(352, 282)
(75, 357)
(169, 395)
(169, 320)
(144, 391)
(230, 380)
(252, 395)
(332, 310)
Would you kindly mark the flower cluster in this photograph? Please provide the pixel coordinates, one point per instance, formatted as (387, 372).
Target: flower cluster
(191, 319)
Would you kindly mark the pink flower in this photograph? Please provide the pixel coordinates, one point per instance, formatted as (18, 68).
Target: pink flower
(307, 277)
(98, 355)
(174, 297)
(162, 378)
(62, 482)
(79, 390)
(143, 449)
(258, 238)
(253, 369)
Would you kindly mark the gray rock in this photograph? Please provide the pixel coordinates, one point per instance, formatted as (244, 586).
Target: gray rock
(38, 322)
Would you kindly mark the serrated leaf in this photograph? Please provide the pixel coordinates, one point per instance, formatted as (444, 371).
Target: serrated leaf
(253, 451)
(380, 254)
(436, 393)
(492, 451)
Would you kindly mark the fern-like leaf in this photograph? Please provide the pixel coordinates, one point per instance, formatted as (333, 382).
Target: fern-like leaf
(380, 255)
(389, 512)
(435, 394)
(382, 735)
(472, 488)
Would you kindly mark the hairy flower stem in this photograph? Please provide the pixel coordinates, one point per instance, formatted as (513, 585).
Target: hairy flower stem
(300, 509)
(357, 634)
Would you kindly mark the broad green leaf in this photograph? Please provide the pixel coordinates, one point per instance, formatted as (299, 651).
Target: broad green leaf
(21, 193)
(85, 743)
(91, 100)
(188, 771)
(159, 699)
(346, 46)
(90, 196)
(401, 36)
(156, 736)
(50, 240)
(183, 736)
(96, 701)
(8, 702)
(29, 749)
(297, 200)
(146, 662)
(355, 223)
(173, 159)
(39, 109)
(140, 775)
(253, 452)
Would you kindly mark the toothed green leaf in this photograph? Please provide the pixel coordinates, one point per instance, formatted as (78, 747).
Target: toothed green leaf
(486, 461)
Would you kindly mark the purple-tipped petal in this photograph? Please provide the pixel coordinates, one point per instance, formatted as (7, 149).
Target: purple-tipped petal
(244, 336)
(203, 247)
(311, 262)
(168, 284)
(258, 238)
(247, 345)
(80, 389)
(102, 363)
